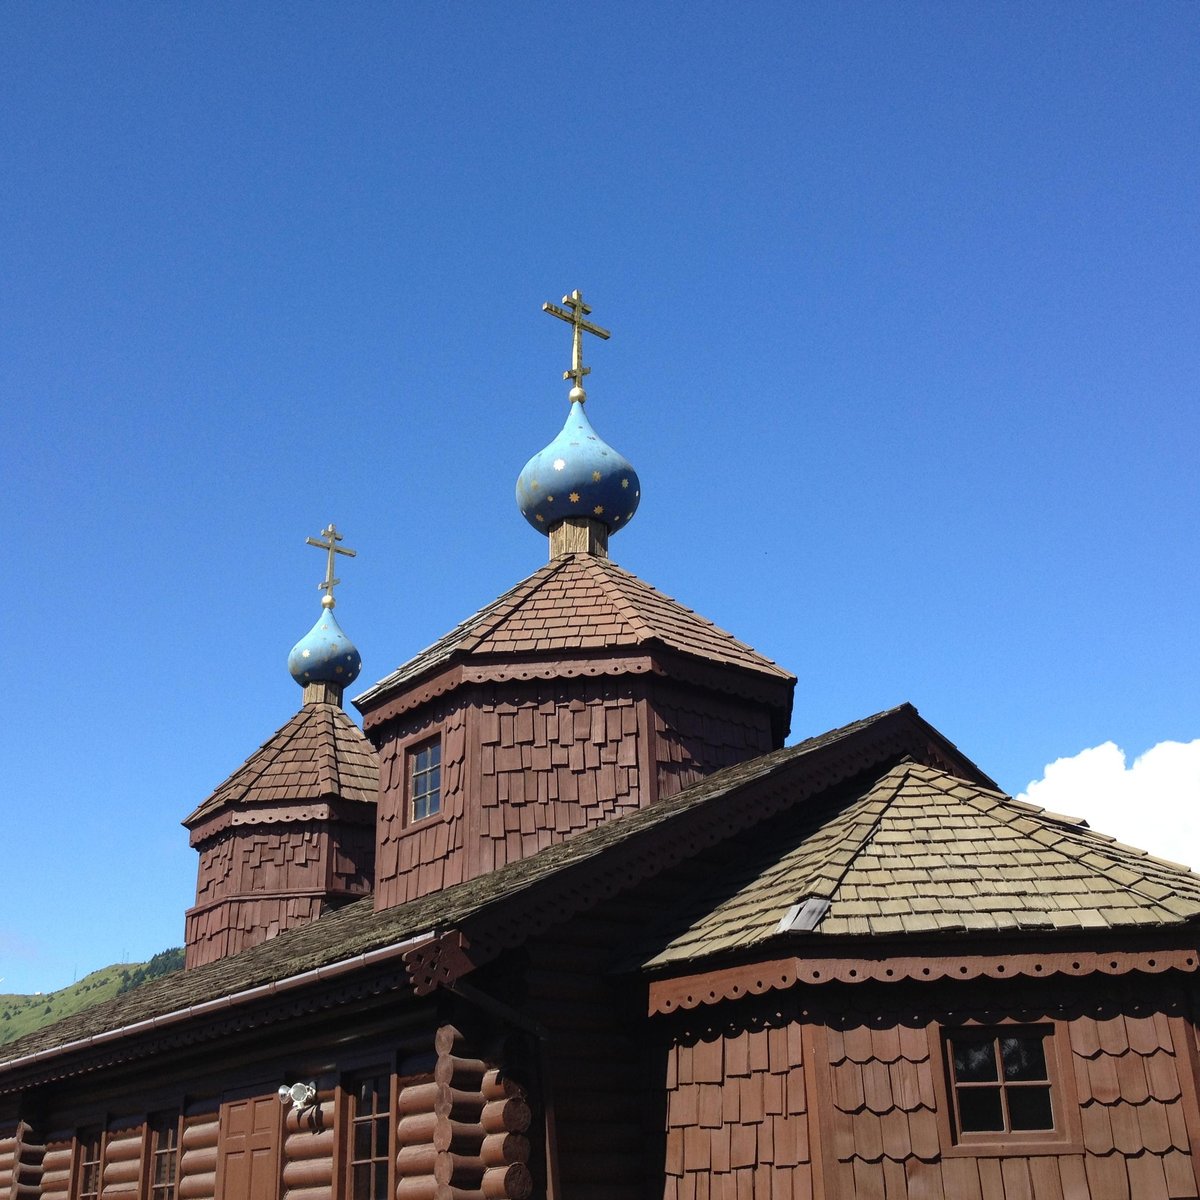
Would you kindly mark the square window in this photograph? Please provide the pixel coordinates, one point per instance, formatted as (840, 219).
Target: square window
(1000, 1082)
(425, 779)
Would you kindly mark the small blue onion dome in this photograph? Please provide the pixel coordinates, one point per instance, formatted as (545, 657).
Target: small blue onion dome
(578, 475)
(325, 654)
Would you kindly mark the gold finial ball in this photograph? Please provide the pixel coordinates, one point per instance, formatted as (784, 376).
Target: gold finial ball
(577, 395)
(327, 601)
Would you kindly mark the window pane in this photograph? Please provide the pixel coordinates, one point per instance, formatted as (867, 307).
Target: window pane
(380, 1192)
(975, 1061)
(1024, 1058)
(979, 1110)
(1029, 1108)
(362, 1181)
(362, 1139)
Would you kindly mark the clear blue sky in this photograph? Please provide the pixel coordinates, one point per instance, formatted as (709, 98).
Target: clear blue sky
(906, 350)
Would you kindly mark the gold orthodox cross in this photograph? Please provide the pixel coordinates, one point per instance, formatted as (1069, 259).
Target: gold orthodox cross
(575, 318)
(332, 537)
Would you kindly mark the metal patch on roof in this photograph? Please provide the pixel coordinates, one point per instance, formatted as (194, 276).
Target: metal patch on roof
(804, 916)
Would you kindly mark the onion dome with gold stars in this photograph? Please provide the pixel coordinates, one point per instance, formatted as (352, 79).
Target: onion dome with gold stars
(578, 474)
(325, 654)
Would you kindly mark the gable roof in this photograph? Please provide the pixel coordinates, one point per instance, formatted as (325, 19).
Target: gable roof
(922, 852)
(579, 603)
(318, 754)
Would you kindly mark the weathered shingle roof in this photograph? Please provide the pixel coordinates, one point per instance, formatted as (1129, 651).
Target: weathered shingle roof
(357, 929)
(922, 852)
(579, 603)
(319, 754)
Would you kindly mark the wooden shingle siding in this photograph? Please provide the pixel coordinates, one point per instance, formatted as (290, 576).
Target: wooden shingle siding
(737, 1120)
(547, 759)
(414, 860)
(696, 733)
(806, 1086)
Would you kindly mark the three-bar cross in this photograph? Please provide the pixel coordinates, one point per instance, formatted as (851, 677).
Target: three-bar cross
(575, 318)
(332, 537)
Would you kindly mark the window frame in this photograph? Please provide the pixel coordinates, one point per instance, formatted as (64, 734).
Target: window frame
(412, 754)
(1065, 1137)
(350, 1117)
(85, 1137)
(160, 1123)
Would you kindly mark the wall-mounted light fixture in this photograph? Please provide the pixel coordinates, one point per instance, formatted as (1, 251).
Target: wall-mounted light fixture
(299, 1094)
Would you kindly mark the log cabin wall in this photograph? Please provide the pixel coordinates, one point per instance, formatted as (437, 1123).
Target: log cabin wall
(526, 764)
(20, 1161)
(846, 1093)
(254, 882)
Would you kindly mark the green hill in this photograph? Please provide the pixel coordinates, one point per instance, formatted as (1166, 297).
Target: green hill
(20, 1015)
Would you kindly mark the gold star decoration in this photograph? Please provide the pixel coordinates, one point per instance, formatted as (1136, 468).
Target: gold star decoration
(549, 499)
(574, 497)
(598, 509)
(625, 483)
(533, 487)
(539, 518)
(595, 476)
(559, 463)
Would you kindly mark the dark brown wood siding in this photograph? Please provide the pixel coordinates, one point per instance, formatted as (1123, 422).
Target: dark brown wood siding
(808, 1094)
(526, 764)
(253, 883)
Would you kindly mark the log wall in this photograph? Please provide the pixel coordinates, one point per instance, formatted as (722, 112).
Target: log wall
(20, 1162)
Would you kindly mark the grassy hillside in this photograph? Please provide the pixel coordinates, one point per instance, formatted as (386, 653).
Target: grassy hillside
(21, 1014)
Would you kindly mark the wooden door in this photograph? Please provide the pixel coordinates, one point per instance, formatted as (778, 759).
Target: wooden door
(248, 1167)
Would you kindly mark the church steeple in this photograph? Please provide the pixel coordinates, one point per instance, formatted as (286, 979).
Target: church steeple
(578, 489)
(290, 835)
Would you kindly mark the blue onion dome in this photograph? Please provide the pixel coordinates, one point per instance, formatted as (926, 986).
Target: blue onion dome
(578, 475)
(325, 654)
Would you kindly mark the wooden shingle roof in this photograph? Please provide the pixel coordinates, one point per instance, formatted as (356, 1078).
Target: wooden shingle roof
(922, 852)
(576, 604)
(319, 754)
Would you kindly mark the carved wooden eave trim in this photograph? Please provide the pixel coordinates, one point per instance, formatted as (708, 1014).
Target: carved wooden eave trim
(779, 974)
(659, 660)
(439, 962)
(267, 813)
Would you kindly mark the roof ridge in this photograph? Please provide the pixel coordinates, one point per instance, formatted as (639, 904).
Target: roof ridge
(624, 605)
(329, 776)
(892, 779)
(698, 617)
(491, 616)
(254, 767)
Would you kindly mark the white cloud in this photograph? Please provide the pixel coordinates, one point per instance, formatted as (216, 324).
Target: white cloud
(1153, 804)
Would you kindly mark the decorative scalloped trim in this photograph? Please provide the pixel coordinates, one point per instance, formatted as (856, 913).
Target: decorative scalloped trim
(754, 979)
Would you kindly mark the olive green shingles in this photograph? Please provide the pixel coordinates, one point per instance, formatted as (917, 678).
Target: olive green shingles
(921, 852)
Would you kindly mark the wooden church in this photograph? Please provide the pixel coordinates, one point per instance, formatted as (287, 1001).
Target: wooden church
(566, 918)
